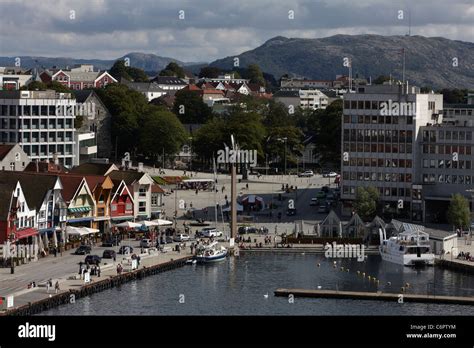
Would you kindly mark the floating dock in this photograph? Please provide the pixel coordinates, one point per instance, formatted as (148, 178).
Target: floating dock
(375, 296)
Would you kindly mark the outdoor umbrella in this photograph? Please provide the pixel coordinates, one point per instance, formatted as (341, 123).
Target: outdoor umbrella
(161, 222)
(128, 224)
(150, 223)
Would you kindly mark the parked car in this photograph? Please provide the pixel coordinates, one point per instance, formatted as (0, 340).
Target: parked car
(325, 189)
(145, 243)
(291, 211)
(330, 175)
(92, 259)
(306, 174)
(83, 250)
(330, 197)
(210, 232)
(125, 249)
(110, 242)
(323, 208)
(243, 229)
(108, 254)
(181, 238)
(314, 201)
(321, 194)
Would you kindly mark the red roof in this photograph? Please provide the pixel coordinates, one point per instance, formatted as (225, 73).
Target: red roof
(212, 91)
(27, 232)
(70, 185)
(156, 189)
(191, 87)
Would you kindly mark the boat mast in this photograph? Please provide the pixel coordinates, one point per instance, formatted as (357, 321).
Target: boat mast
(215, 190)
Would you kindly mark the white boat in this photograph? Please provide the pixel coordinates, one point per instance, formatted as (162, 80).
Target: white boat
(211, 253)
(409, 248)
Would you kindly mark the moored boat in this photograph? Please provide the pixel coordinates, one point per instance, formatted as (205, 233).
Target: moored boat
(211, 253)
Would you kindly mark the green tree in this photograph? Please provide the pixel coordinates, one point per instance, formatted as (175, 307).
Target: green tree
(366, 201)
(326, 126)
(255, 74)
(210, 72)
(458, 213)
(190, 108)
(58, 87)
(173, 69)
(161, 131)
(35, 85)
(381, 79)
(119, 70)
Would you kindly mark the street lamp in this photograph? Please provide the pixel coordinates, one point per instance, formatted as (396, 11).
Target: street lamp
(284, 140)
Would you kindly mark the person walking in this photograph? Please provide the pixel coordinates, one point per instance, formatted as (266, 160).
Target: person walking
(55, 252)
(56, 287)
(98, 271)
(80, 267)
(47, 287)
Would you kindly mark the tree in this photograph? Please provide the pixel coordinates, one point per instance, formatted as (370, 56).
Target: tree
(381, 79)
(119, 70)
(58, 87)
(366, 202)
(458, 212)
(255, 74)
(161, 131)
(35, 85)
(173, 69)
(209, 72)
(326, 126)
(190, 108)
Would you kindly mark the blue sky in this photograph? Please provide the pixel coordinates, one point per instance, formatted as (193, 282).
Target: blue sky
(211, 29)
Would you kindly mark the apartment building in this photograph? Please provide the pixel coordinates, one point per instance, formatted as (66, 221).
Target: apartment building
(41, 122)
(380, 128)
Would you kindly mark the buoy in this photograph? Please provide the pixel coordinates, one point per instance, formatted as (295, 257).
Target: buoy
(403, 289)
(347, 270)
(319, 286)
(358, 272)
(319, 264)
(368, 277)
(266, 295)
(389, 283)
(407, 285)
(378, 281)
(342, 268)
(363, 274)
(334, 262)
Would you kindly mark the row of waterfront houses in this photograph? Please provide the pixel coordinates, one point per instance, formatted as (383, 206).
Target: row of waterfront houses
(96, 196)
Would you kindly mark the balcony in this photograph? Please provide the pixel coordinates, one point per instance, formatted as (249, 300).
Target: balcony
(88, 150)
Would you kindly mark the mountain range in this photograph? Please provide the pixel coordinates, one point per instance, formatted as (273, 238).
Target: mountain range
(429, 61)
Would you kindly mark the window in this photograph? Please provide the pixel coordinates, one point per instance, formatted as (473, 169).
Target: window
(154, 200)
(142, 207)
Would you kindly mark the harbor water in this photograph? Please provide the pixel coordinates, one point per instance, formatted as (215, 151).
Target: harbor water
(244, 285)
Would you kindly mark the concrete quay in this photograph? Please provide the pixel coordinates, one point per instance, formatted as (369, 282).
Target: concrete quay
(376, 296)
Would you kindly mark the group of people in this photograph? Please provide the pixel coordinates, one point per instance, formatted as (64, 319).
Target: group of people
(49, 285)
(465, 256)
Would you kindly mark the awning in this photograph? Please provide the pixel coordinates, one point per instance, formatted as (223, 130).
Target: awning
(80, 231)
(84, 209)
(125, 217)
(27, 232)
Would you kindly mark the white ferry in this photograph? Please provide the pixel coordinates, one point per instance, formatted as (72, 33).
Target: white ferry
(409, 248)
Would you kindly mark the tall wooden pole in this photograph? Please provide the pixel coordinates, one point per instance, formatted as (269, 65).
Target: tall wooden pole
(233, 207)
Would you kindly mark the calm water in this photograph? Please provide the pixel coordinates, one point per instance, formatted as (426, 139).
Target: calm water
(239, 286)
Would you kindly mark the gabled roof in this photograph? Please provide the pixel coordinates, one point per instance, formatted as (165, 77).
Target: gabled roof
(5, 150)
(128, 176)
(331, 216)
(94, 168)
(168, 80)
(45, 167)
(35, 186)
(119, 187)
(355, 221)
(7, 186)
(156, 189)
(71, 184)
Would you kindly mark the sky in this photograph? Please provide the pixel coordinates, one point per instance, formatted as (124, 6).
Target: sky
(205, 30)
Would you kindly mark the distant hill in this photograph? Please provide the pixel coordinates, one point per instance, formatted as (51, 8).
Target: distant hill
(429, 61)
(145, 61)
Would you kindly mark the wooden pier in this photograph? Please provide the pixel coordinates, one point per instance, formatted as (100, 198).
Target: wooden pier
(375, 296)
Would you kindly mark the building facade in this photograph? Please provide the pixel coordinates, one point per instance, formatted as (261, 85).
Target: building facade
(380, 128)
(41, 122)
(13, 158)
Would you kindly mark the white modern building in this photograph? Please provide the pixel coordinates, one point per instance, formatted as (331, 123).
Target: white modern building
(380, 135)
(41, 122)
